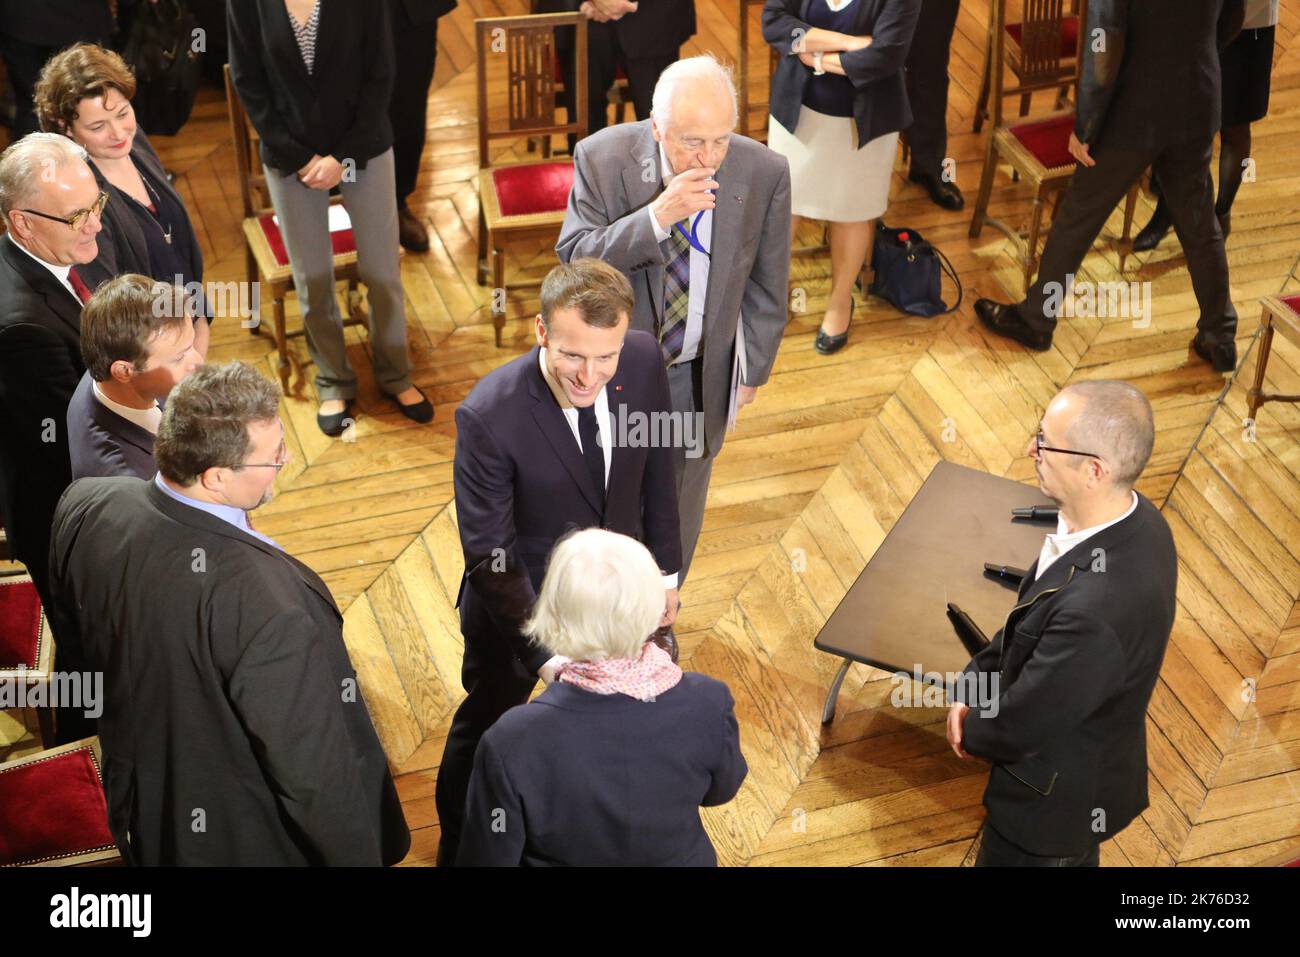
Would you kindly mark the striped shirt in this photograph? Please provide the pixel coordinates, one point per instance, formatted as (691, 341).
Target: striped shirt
(305, 34)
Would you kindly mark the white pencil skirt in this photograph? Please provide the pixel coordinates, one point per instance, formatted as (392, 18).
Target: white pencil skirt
(830, 178)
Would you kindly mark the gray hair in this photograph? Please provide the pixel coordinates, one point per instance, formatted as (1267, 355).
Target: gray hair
(36, 155)
(602, 597)
(1115, 423)
(205, 423)
(695, 71)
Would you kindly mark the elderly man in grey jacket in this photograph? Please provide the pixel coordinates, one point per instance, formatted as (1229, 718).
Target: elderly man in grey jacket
(699, 220)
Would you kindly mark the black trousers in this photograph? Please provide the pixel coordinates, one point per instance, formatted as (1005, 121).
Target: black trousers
(493, 684)
(604, 55)
(997, 851)
(927, 84)
(415, 52)
(1093, 193)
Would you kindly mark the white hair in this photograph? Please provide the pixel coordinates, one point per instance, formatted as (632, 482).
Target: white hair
(602, 597)
(697, 72)
(36, 155)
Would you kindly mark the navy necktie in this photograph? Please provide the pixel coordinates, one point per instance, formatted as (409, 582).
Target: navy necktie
(592, 454)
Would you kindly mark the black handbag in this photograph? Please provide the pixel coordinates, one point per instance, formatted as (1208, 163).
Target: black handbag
(159, 48)
(908, 272)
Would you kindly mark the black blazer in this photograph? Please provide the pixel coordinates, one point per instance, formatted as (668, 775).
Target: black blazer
(40, 365)
(122, 244)
(339, 110)
(579, 778)
(227, 688)
(521, 483)
(1075, 676)
(658, 28)
(101, 443)
(420, 12)
(1158, 83)
(880, 103)
(57, 23)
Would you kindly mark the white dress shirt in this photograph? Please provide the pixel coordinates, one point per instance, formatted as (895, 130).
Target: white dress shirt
(603, 427)
(699, 282)
(147, 419)
(1054, 546)
(59, 272)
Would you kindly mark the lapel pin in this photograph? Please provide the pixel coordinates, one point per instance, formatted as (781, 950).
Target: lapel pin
(618, 388)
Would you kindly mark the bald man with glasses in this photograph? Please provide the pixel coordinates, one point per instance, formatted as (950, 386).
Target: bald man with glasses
(51, 206)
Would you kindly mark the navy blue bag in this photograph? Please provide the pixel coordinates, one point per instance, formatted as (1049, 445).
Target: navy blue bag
(908, 272)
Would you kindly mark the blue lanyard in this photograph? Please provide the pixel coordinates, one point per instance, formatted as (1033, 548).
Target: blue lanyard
(693, 236)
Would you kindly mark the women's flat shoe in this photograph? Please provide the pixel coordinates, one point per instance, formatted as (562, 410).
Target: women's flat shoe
(333, 425)
(421, 411)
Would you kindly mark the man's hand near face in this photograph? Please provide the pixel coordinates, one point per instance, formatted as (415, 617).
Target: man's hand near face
(687, 194)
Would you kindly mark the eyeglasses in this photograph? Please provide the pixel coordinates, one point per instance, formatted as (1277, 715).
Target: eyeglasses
(77, 219)
(284, 460)
(1039, 443)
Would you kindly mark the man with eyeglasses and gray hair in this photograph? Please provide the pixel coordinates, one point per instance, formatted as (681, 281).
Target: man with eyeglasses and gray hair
(51, 204)
(1079, 654)
(233, 729)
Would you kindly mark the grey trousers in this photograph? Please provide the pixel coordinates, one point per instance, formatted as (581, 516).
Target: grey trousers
(304, 223)
(686, 388)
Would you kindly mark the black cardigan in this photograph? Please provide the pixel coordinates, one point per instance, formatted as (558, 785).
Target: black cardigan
(880, 102)
(341, 108)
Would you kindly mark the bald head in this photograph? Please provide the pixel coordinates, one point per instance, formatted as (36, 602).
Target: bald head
(1113, 421)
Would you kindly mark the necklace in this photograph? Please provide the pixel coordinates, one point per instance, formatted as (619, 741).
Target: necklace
(157, 203)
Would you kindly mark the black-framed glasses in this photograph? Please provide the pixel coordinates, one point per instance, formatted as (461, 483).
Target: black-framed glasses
(1039, 443)
(77, 219)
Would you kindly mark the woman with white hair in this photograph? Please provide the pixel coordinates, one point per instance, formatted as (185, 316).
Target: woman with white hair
(611, 763)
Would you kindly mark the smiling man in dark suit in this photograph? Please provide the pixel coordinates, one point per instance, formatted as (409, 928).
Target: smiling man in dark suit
(138, 342)
(547, 443)
(51, 206)
(1064, 725)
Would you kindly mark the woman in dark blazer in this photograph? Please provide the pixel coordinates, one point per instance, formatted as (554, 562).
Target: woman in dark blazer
(316, 78)
(838, 102)
(84, 92)
(611, 763)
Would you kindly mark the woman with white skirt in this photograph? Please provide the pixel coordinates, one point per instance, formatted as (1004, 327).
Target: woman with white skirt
(838, 101)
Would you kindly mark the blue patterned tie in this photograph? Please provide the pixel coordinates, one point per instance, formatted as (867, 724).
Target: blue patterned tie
(677, 298)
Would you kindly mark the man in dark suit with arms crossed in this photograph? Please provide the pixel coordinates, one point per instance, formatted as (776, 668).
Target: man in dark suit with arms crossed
(541, 448)
(1064, 724)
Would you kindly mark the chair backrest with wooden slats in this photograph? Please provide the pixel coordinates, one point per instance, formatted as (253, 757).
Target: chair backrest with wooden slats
(742, 71)
(1042, 64)
(252, 185)
(528, 46)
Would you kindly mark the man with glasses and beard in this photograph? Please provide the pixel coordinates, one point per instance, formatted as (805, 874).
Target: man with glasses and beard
(233, 730)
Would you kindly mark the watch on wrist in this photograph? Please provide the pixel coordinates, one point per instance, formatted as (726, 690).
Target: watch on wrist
(818, 69)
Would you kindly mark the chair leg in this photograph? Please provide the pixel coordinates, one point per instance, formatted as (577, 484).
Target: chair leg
(281, 343)
(1031, 249)
(986, 190)
(45, 726)
(1255, 397)
(986, 81)
(482, 244)
(498, 283)
(1024, 103)
(250, 270)
(1126, 241)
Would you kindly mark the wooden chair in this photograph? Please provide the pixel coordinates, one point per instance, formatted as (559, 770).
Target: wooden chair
(52, 808)
(26, 643)
(1038, 150)
(1282, 315)
(528, 199)
(1041, 51)
(747, 126)
(267, 261)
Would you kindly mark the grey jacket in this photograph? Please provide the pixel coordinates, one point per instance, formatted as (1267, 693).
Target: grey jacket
(749, 267)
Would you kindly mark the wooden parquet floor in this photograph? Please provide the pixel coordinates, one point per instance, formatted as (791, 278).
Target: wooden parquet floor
(817, 472)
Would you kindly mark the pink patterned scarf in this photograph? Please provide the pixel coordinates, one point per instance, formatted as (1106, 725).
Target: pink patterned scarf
(641, 678)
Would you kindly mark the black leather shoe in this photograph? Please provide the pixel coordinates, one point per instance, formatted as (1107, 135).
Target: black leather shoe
(943, 193)
(828, 345)
(1005, 321)
(333, 425)
(1222, 357)
(1152, 234)
(410, 231)
(421, 411)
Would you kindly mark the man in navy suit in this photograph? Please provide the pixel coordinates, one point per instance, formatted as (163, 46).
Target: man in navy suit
(576, 433)
(137, 340)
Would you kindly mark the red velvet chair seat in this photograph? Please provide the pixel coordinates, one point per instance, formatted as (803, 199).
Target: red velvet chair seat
(343, 241)
(533, 188)
(51, 808)
(1069, 35)
(20, 624)
(1048, 141)
(1292, 303)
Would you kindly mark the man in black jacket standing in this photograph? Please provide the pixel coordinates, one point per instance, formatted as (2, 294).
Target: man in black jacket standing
(234, 731)
(575, 433)
(1149, 96)
(1064, 686)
